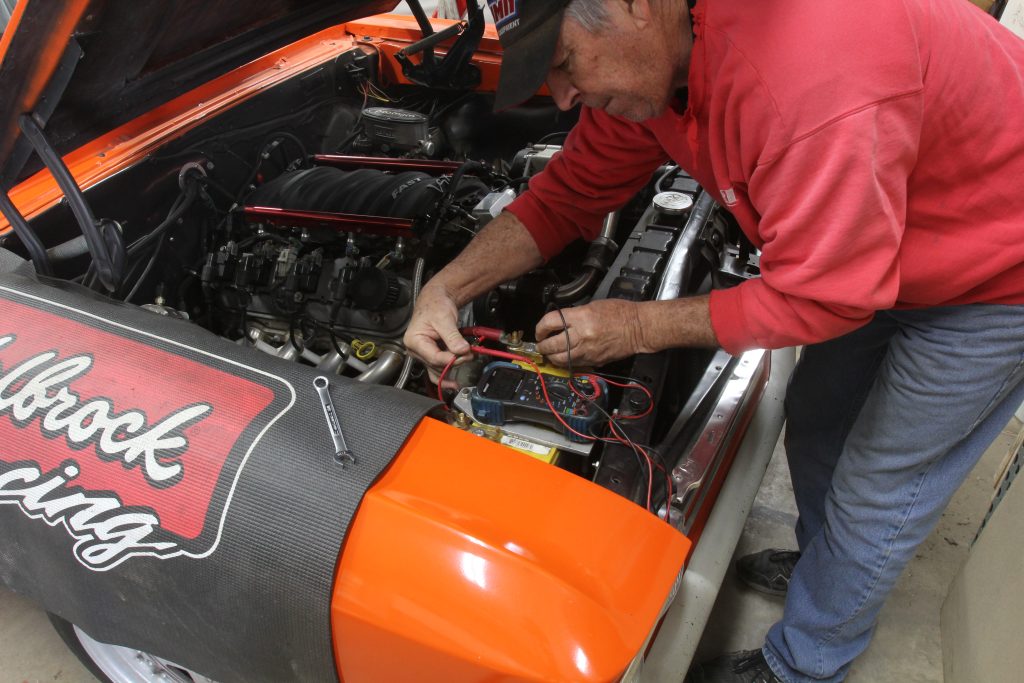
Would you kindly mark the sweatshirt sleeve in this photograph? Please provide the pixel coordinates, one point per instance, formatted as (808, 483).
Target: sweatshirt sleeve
(605, 161)
(832, 208)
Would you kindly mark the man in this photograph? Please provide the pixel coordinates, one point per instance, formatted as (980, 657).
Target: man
(874, 152)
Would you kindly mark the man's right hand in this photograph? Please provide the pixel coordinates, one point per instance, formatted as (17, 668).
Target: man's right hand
(433, 334)
(501, 251)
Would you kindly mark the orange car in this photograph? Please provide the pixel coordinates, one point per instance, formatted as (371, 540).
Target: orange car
(217, 461)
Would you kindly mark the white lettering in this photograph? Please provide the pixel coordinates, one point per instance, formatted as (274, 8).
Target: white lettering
(107, 532)
(38, 388)
(508, 27)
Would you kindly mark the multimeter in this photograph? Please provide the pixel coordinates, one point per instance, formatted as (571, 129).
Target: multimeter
(507, 392)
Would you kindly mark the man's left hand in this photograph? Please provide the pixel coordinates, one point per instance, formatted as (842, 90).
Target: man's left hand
(610, 329)
(598, 333)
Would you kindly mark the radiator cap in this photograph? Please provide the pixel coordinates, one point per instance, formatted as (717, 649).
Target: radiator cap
(673, 203)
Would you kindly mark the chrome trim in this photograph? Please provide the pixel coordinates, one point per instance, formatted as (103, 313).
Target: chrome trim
(705, 457)
(680, 263)
(673, 649)
(717, 369)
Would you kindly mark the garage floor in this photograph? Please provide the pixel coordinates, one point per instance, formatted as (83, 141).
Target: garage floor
(906, 648)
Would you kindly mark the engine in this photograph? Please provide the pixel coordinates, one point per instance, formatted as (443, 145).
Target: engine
(324, 263)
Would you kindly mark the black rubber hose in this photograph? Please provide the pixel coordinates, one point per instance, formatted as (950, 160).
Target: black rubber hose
(598, 260)
(28, 236)
(284, 135)
(425, 27)
(457, 179)
(78, 247)
(270, 143)
(106, 263)
(433, 39)
(66, 251)
(585, 283)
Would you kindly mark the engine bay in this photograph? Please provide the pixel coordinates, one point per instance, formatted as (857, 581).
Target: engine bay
(305, 222)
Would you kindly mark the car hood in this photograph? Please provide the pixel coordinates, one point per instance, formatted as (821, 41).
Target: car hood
(84, 67)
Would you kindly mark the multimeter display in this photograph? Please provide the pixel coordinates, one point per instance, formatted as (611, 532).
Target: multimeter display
(503, 383)
(509, 393)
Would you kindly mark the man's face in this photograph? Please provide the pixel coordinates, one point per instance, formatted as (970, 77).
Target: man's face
(630, 68)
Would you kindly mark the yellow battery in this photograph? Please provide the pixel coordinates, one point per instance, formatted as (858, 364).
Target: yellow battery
(548, 454)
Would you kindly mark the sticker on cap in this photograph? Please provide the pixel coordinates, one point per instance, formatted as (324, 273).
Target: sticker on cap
(505, 13)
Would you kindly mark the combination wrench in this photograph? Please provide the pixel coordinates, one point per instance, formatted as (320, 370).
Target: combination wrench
(342, 453)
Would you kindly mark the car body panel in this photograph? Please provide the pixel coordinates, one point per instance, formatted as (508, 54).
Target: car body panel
(516, 576)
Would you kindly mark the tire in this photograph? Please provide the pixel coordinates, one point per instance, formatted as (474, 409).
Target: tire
(116, 664)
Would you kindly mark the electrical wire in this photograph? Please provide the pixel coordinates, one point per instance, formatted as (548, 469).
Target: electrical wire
(149, 267)
(642, 455)
(618, 434)
(177, 210)
(550, 137)
(440, 380)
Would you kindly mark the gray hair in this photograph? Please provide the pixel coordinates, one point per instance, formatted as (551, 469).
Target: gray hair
(592, 15)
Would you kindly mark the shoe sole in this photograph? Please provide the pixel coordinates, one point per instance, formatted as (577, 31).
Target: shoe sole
(774, 592)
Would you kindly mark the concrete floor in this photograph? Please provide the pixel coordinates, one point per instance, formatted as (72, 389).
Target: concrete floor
(30, 650)
(906, 648)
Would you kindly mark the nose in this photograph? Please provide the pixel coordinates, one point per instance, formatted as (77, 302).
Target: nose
(564, 93)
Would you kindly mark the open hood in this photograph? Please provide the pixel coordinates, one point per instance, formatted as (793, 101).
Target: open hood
(83, 67)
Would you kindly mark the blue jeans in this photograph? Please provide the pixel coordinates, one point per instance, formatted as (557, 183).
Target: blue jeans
(883, 424)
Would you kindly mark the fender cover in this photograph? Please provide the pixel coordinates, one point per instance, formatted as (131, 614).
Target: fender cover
(167, 490)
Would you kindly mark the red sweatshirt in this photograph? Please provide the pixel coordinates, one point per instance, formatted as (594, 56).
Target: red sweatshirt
(874, 152)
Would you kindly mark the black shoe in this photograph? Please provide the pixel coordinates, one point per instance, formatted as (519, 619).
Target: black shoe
(735, 667)
(768, 571)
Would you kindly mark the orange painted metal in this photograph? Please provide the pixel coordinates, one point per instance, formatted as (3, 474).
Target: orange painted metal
(390, 33)
(133, 141)
(470, 562)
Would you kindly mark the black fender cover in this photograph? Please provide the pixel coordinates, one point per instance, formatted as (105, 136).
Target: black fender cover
(167, 490)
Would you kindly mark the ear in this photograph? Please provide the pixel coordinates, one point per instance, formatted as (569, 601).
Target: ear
(640, 12)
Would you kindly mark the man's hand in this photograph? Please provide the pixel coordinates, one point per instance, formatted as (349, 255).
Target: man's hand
(600, 332)
(503, 250)
(610, 329)
(435, 323)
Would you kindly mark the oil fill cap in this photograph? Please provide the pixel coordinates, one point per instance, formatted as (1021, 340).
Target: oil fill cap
(673, 203)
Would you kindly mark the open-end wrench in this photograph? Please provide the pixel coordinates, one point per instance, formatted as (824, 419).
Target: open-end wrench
(342, 453)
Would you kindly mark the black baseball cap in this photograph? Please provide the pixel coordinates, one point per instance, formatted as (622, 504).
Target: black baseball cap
(529, 31)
